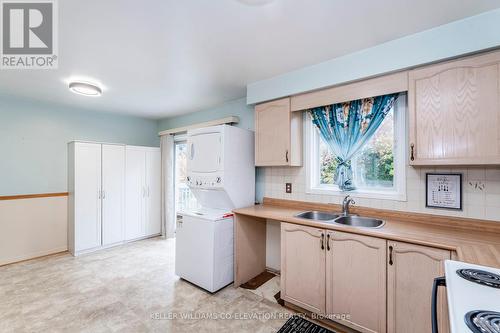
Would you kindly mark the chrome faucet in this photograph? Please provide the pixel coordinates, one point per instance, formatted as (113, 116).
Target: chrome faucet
(345, 205)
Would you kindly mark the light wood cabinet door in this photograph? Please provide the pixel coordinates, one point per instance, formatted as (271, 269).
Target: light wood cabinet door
(278, 134)
(411, 271)
(356, 281)
(303, 266)
(454, 112)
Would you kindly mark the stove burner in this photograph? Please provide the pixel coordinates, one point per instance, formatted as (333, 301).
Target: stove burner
(480, 321)
(481, 277)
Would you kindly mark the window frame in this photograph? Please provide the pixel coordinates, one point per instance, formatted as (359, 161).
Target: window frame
(398, 193)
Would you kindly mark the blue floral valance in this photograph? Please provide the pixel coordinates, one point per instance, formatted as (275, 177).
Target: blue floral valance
(346, 127)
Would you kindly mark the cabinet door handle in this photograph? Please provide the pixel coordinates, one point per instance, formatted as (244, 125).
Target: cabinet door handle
(439, 281)
(322, 241)
(328, 242)
(286, 156)
(391, 262)
(99, 194)
(412, 152)
(104, 194)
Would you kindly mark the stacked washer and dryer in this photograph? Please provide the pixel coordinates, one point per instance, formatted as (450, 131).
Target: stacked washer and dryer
(221, 175)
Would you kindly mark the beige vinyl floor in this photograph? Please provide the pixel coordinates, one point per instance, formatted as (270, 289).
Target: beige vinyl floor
(129, 288)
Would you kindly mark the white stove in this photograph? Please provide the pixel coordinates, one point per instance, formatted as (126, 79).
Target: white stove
(473, 297)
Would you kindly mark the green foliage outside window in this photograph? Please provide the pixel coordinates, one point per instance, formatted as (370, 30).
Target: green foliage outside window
(374, 164)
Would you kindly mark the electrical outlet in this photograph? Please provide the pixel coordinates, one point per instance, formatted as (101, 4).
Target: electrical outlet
(288, 187)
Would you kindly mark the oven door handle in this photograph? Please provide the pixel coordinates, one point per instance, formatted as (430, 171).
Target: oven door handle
(439, 281)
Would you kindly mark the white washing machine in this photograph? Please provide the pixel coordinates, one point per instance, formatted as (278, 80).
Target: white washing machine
(204, 248)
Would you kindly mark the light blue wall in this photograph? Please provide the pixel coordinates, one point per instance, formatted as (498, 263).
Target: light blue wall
(233, 108)
(34, 137)
(457, 38)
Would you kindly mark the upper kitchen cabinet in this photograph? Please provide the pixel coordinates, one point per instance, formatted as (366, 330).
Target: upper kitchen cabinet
(278, 134)
(454, 112)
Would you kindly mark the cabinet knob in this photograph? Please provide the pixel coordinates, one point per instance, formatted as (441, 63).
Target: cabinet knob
(412, 152)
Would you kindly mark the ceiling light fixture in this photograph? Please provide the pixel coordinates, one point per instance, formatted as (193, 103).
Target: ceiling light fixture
(85, 88)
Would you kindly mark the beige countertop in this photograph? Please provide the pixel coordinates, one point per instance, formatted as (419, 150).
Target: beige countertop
(474, 241)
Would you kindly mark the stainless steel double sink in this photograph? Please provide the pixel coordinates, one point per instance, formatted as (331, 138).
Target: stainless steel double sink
(350, 220)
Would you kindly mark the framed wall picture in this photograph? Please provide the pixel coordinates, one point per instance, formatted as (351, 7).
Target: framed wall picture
(443, 190)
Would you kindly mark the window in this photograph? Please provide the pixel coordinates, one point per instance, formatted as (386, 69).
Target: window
(379, 168)
(184, 198)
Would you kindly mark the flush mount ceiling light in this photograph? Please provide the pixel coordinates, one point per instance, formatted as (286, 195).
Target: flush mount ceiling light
(85, 88)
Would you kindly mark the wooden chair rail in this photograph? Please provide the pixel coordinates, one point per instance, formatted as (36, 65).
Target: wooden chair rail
(32, 196)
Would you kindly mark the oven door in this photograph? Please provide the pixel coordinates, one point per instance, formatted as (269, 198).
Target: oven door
(440, 281)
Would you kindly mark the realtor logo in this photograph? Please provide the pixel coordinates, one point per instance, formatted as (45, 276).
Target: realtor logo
(29, 34)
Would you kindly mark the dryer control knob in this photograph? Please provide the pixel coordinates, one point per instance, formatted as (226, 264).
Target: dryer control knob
(218, 179)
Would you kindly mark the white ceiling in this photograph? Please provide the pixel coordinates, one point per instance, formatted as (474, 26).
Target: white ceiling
(158, 58)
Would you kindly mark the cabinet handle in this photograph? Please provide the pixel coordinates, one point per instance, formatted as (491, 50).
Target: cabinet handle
(390, 255)
(99, 194)
(412, 152)
(286, 156)
(328, 242)
(104, 194)
(322, 241)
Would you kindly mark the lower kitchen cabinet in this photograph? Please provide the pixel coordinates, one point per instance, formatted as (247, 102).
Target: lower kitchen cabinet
(411, 271)
(367, 283)
(356, 280)
(303, 266)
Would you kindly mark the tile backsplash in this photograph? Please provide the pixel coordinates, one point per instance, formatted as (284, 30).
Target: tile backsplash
(481, 191)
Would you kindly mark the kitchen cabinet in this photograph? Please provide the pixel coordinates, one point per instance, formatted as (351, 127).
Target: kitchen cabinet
(96, 182)
(143, 192)
(278, 134)
(454, 110)
(356, 280)
(303, 266)
(410, 273)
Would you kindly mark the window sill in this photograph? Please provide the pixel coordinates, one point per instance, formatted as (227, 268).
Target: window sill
(383, 195)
